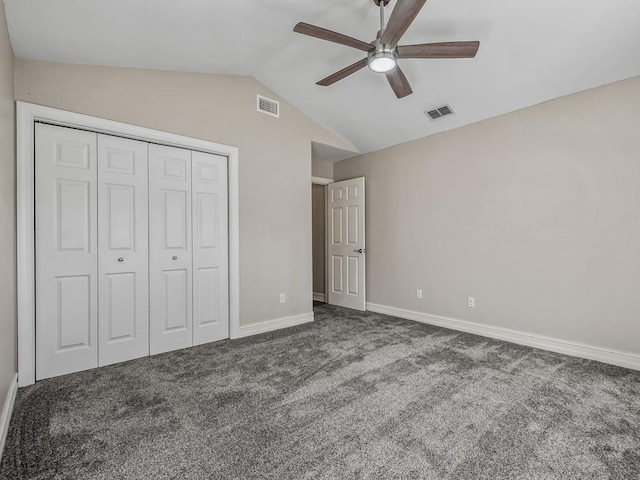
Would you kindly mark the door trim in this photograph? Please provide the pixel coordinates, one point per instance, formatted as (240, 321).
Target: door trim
(322, 180)
(27, 115)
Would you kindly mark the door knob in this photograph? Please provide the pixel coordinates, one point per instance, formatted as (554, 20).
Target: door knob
(121, 259)
(358, 250)
(174, 258)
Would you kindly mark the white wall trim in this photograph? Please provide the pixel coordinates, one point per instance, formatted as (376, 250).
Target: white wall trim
(321, 180)
(7, 410)
(277, 324)
(613, 357)
(27, 114)
(319, 297)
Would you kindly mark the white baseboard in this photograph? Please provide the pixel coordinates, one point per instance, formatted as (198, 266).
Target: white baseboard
(613, 357)
(7, 410)
(277, 324)
(319, 297)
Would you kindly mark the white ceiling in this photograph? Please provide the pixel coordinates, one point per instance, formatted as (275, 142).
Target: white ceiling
(531, 51)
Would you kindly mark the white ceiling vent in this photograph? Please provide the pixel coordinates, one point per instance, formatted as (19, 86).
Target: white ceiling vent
(268, 106)
(440, 112)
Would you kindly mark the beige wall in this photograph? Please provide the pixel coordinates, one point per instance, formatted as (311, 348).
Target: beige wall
(322, 168)
(318, 229)
(7, 214)
(536, 214)
(275, 159)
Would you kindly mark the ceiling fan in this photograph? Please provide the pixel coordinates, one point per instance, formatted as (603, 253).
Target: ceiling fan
(383, 53)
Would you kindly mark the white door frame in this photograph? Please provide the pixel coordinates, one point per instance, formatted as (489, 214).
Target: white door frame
(27, 114)
(321, 180)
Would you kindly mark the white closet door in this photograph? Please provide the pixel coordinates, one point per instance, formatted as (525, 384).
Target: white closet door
(123, 250)
(66, 251)
(170, 250)
(210, 248)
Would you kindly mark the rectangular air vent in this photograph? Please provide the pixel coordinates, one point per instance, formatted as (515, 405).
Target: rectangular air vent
(268, 106)
(440, 112)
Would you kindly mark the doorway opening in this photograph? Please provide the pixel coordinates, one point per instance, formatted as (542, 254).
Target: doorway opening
(319, 238)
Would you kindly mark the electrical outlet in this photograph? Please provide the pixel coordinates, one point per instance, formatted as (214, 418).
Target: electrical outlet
(471, 302)
(419, 294)
(283, 299)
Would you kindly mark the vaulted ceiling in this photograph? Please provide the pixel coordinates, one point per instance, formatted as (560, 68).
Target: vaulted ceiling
(530, 52)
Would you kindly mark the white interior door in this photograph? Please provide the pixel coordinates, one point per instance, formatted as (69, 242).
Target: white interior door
(170, 249)
(346, 243)
(66, 251)
(210, 248)
(123, 250)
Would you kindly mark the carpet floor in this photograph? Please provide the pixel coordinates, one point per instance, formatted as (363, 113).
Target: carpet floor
(352, 395)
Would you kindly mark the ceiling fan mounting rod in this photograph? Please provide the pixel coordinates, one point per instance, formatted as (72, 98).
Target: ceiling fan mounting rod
(381, 4)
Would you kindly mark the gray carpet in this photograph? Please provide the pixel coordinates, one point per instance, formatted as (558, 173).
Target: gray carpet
(352, 395)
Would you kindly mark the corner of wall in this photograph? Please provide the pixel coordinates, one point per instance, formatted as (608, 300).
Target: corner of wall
(8, 319)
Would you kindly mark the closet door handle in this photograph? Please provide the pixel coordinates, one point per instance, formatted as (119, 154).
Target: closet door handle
(121, 259)
(174, 258)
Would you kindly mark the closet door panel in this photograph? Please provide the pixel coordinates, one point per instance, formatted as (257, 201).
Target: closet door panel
(170, 248)
(120, 319)
(66, 251)
(175, 293)
(123, 247)
(210, 248)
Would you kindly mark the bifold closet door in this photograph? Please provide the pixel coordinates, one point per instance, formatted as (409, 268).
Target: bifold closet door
(170, 249)
(210, 248)
(123, 250)
(131, 249)
(66, 250)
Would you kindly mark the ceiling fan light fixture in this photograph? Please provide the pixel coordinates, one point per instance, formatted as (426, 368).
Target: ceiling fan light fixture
(382, 62)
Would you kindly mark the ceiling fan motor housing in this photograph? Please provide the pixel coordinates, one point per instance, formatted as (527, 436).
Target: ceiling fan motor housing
(382, 58)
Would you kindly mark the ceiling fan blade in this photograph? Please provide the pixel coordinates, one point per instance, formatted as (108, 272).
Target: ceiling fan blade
(399, 83)
(403, 14)
(331, 36)
(439, 50)
(345, 72)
